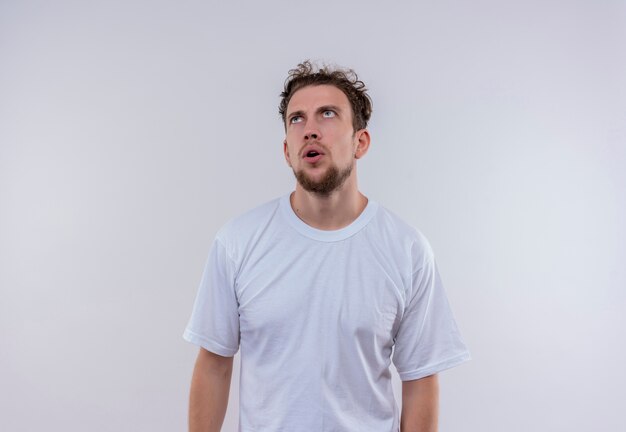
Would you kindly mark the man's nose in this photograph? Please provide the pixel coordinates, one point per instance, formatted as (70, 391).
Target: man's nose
(312, 134)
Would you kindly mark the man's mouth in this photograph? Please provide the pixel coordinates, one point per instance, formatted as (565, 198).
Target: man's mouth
(313, 156)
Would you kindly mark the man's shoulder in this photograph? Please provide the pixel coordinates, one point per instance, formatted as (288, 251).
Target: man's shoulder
(404, 233)
(246, 223)
(391, 220)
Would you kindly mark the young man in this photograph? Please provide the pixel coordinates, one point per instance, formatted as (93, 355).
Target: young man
(317, 287)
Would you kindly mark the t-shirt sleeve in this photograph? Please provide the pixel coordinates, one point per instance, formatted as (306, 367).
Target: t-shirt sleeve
(214, 322)
(428, 340)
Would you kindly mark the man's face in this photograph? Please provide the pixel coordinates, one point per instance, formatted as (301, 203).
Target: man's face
(319, 119)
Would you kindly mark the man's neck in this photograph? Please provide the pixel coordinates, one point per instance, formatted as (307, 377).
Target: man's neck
(332, 212)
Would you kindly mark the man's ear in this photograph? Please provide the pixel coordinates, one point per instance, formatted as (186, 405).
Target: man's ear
(363, 143)
(286, 152)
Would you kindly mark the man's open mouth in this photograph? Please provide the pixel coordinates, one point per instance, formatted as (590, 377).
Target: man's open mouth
(312, 156)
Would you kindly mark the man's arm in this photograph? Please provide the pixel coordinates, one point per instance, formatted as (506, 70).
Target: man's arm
(420, 405)
(208, 397)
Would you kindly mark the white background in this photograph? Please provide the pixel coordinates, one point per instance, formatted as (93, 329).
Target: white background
(130, 131)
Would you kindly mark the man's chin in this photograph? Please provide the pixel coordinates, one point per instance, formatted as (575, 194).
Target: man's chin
(323, 184)
(318, 188)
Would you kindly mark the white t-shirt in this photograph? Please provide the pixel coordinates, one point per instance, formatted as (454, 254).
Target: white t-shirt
(317, 313)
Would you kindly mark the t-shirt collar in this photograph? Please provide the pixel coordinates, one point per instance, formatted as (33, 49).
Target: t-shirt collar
(327, 235)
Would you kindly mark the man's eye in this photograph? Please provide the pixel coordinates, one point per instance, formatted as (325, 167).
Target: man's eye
(295, 119)
(328, 113)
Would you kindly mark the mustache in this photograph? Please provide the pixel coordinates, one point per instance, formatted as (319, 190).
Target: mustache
(315, 143)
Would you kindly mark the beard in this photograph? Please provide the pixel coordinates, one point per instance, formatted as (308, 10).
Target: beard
(332, 179)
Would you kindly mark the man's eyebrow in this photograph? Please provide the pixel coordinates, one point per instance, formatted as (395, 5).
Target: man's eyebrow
(295, 113)
(329, 108)
(319, 110)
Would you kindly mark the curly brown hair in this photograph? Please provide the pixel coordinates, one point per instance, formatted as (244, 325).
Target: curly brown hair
(345, 80)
